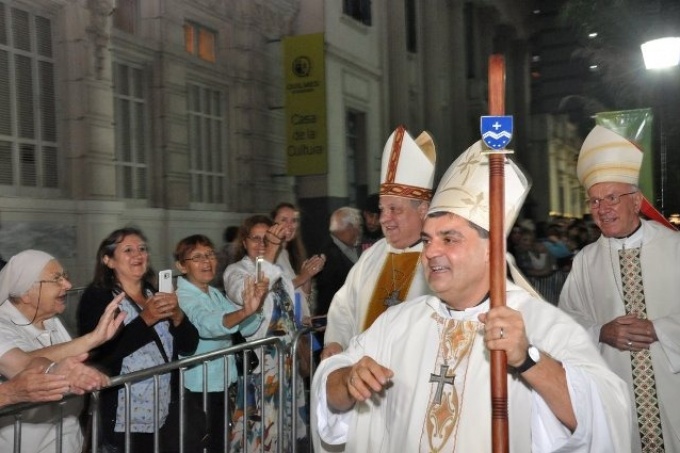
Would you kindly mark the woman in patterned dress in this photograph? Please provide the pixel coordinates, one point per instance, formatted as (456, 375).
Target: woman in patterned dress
(260, 237)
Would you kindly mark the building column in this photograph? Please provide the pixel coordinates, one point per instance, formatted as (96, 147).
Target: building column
(88, 139)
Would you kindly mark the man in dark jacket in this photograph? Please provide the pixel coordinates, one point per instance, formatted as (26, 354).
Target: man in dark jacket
(341, 254)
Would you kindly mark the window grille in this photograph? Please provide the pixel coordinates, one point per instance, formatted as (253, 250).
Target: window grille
(130, 130)
(206, 144)
(29, 156)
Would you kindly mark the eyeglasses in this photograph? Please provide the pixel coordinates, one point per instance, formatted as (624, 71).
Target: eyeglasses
(609, 200)
(58, 279)
(200, 258)
(259, 239)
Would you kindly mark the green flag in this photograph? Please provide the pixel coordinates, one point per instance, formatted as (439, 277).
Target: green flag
(636, 126)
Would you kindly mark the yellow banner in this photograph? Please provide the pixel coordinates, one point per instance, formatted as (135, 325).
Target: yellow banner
(305, 78)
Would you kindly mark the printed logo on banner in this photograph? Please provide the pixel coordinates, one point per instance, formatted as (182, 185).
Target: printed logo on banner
(496, 131)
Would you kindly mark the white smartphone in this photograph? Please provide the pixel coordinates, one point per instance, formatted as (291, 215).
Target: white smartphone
(258, 268)
(165, 281)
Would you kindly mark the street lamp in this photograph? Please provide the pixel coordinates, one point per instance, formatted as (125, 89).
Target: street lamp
(659, 54)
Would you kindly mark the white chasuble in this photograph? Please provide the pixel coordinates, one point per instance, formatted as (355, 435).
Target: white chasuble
(439, 398)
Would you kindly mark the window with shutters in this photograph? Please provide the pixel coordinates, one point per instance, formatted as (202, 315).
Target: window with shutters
(355, 138)
(129, 92)
(206, 144)
(199, 41)
(29, 156)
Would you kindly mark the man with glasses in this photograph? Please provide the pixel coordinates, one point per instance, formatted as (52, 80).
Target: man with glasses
(624, 289)
(33, 287)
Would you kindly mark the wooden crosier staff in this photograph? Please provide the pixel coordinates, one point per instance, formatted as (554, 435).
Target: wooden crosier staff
(499, 377)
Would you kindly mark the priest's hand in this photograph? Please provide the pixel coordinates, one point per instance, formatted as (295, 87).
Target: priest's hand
(628, 333)
(359, 382)
(330, 350)
(504, 330)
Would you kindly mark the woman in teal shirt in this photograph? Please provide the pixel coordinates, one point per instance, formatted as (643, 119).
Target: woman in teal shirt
(216, 318)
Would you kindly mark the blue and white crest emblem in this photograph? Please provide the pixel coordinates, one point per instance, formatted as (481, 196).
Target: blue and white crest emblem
(496, 131)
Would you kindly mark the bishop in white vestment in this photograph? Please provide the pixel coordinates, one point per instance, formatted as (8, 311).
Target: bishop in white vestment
(608, 167)
(417, 338)
(389, 271)
(419, 378)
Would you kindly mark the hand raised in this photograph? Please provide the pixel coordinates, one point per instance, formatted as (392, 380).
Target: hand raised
(109, 322)
(275, 236)
(313, 265)
(253, 294)
(160, 306)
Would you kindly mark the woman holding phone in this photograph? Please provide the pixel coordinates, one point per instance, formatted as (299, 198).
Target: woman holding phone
(260, 237)
(155, 331)
(216, 319)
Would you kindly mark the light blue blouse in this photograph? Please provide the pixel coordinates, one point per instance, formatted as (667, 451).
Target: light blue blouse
(206, 311)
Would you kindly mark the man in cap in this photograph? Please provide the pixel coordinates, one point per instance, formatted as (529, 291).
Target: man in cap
(419, 378)
(624, 289)
(388, 272)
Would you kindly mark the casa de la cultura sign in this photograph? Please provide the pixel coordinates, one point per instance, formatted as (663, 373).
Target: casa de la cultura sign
(305, 79)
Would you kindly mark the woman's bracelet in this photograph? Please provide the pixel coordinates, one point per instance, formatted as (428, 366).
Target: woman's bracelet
(276, 236)
(50, 367)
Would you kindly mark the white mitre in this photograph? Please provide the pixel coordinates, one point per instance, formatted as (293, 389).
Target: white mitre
(464, 189)
(408, 165)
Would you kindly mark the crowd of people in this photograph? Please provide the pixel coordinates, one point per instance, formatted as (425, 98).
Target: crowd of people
(126, 324)
(544, 251)
(402, 286)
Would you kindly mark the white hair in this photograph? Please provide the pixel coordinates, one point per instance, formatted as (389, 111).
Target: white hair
(344, 217)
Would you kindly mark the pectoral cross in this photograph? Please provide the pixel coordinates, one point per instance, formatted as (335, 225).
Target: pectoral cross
(441, 379)
(393, 299)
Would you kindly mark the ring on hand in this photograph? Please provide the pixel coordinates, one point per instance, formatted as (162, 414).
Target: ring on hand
(502, 333)
(630, 343)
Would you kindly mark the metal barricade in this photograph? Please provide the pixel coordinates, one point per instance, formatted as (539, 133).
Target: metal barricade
(127, 380)
(18, 412)
(154, 373)
(305, 333)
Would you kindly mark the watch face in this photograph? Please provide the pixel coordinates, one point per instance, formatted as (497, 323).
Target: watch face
(534, 353)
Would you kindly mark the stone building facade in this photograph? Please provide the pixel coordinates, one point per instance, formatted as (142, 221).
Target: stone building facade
(169, 114)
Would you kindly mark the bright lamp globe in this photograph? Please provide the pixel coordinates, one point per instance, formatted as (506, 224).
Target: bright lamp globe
(661, 53)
